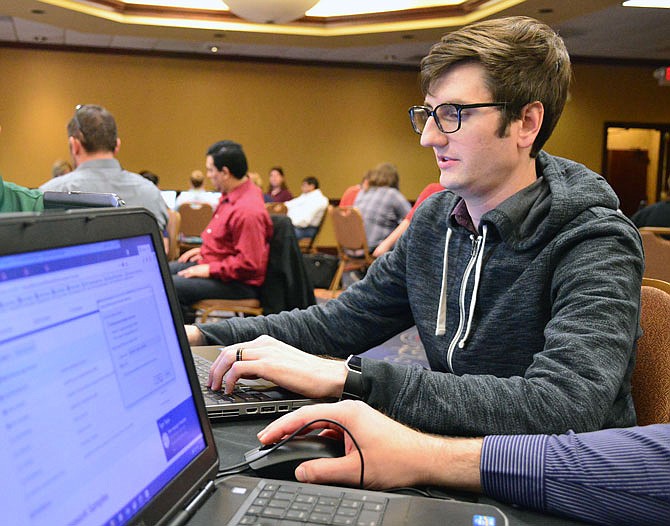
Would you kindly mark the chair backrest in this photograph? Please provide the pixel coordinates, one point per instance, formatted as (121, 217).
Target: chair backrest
(173, 229)
(656, 252)
(306, 244)
(651, 377)
(276, 208)
(349, 232)
(194, 217)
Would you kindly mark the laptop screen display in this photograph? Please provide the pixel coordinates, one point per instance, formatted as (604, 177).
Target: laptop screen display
(97, 411)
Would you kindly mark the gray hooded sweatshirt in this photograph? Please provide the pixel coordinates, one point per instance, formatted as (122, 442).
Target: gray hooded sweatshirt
(529, 326)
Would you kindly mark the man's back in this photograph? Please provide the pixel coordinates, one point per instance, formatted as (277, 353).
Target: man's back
(106, 175)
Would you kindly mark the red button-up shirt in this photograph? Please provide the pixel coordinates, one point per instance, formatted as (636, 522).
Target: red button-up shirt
(236, 242)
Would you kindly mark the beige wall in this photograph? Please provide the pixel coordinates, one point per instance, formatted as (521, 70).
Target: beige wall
(602, 94)
(330, 122)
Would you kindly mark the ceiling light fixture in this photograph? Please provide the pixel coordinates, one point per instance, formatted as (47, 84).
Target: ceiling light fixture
(664, 4)
(270, 11)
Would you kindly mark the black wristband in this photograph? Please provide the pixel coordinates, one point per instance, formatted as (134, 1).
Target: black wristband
(353, 385)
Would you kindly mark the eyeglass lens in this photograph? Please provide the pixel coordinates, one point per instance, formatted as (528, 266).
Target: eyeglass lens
(446, 116)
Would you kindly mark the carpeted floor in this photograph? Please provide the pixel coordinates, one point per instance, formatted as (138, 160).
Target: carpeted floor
(405, 348)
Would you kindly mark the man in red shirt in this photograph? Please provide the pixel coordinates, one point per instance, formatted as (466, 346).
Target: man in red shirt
(233, 258)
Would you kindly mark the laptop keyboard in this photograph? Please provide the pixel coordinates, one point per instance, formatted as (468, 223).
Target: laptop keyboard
(280, 504)
(241, 393)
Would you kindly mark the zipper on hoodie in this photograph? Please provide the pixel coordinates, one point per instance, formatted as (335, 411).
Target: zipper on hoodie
(461, 299)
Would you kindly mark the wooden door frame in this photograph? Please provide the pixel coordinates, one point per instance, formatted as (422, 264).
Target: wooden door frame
(663, 128)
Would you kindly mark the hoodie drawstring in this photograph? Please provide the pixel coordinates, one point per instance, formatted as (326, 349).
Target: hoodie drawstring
(441, 322)
(473, 298)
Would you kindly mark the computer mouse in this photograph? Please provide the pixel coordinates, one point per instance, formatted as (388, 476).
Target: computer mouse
(282, 462)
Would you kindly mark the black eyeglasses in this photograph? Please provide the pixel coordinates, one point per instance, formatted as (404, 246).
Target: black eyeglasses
(447, 116)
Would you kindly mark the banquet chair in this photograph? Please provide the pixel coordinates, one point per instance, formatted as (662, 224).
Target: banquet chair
(194, 218)
(276, 208)
(352, 244)
(650, 384)
(656, 252)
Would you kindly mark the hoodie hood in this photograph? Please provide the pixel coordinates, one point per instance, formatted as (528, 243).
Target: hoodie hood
(563, 191)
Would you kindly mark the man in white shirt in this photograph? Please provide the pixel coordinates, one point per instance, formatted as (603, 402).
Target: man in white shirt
(306, 211)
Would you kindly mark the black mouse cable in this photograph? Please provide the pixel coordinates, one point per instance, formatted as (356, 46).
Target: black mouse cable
(238, 468)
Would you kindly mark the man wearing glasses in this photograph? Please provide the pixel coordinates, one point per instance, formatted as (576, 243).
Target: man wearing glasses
(523, 278)
(94, 143)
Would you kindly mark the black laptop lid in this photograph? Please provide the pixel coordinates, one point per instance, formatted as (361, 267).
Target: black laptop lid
(101, 423)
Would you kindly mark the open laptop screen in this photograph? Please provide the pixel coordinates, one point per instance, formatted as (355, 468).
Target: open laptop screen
(96, 406)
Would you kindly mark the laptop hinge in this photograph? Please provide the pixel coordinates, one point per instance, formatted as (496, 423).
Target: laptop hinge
(190, 509)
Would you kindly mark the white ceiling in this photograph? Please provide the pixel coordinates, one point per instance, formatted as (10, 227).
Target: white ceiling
(592, 29)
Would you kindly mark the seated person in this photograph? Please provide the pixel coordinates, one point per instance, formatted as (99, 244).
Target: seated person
(277, 192)
(615, 476)
(94, 144)
(657, 214)
(306, 211)
(197, 193)
(232, 261)
(382, 205)
(350, 193)
(60, 167)
(390, 240)
(526, 300)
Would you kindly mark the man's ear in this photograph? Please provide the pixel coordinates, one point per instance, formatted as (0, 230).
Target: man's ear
(118, 146)
(532, 116)
(75, 145)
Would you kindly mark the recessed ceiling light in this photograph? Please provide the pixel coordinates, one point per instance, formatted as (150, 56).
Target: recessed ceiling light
(664, 4)
(37, 11)
(214, 49)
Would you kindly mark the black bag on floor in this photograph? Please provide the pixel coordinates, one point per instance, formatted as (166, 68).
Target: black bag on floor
(320, 269)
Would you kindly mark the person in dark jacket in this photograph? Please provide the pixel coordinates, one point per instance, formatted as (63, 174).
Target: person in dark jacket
(523, 278)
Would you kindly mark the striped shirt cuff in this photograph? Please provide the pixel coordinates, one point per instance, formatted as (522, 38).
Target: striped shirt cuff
(512, 469)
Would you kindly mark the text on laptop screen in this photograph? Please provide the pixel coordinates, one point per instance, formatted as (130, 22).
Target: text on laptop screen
(96, 408)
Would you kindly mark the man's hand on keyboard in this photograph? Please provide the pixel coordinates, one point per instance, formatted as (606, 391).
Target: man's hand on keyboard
(288, 367)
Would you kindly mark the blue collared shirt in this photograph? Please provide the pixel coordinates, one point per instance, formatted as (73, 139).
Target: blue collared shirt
(613, 476)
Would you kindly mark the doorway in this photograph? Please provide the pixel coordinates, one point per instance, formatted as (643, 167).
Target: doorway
(636, 161)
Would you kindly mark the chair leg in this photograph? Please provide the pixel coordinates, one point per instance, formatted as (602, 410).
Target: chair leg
(337, 278)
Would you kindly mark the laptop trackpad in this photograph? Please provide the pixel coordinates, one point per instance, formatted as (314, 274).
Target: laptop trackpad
(453, 513)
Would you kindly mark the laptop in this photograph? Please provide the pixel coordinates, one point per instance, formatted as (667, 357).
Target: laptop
(103, 418)
(76, 199)
(250, 397)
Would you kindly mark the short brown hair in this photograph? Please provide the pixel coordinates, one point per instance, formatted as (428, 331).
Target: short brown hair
(524, 60)
(384, 174)
(95, 127)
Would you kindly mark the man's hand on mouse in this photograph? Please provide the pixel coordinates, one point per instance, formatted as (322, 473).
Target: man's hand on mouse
(394, 454)
(268, 358)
